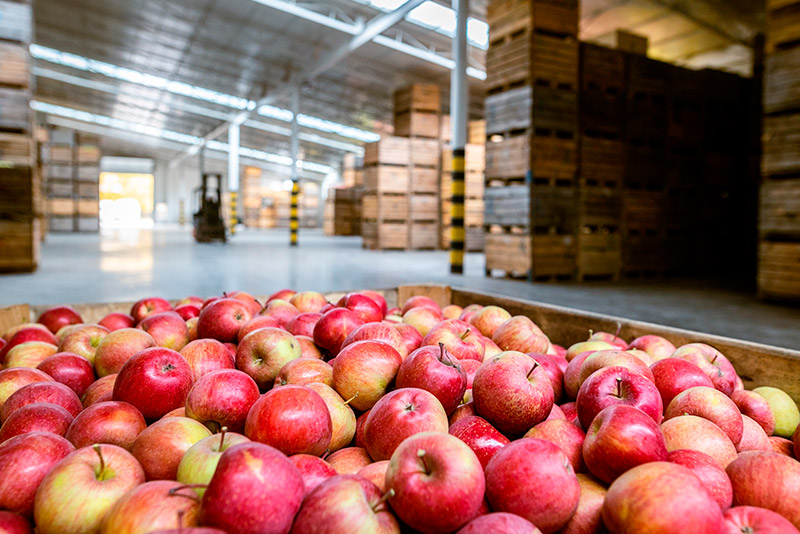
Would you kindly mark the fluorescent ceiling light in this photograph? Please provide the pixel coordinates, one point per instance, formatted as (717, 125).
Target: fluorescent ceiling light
(207, 95)
(169, 135)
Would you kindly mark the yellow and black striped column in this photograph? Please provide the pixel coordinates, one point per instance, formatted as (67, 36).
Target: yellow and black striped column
(234, 212)
(457, 235)
(294, 221)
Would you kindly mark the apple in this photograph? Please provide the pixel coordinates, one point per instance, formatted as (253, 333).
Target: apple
(67, 330)
(452, 311)
(116, 321)
(572, 382)
(570, 411)
(222, 319)
(333, 328)
(239, 500)
(258, 321)
(191, 300)
(660, 498)
(672, 376)
(557, 414)
(363, 371)
(313, 469)
(480, 436)
(767, 480)
(470, 368)
(757, 521)
(280, 310)
(118, 346)
(84, 341)
(153, 506)
(782, 446)
(149, 306)
(488, 319)
(77, 493)
(25, 335)
(308, 301)
(304, 371)
(412, 339)
(401, 414)
(432, 369)
(642, 355)
(168, 329)
(521, 334)
(11, 332)
(490, 348)
(115, 423)
(155, 381)
(350, 460)
(160, 447)
(54, 319)
(533, 479)
(553, 370)
(796, 442)
(101, 390)
(711, 404)
(293, 419)
(222, 399)
(25, 461)
(712, 361)
(361, 423)
(29, 354)
(698, 434)
(263, 352)
(613, 358)
(36, 417)
(712, 476)
(50, 392)
(205, 356)
(458, 337)
(756, 407)
(656, 346)
(72, 370)
(499, 523)
(787, 416)
(199, 462)
(753, 437)
(188, 311)
(617, 385)
(418, 301)
(343, 420)
(378, 299)
(568, 437)
(376, 473)
(379, 332)
(283, 294)
(308, 349)
(587, 346)
(247, 299)
(191, 324)
(11, 523)
(302, 324)
(512, 392)
(422, 318)
(588, 517)
(611, 339)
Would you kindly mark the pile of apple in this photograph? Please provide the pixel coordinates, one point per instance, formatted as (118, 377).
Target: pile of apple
(301, 416)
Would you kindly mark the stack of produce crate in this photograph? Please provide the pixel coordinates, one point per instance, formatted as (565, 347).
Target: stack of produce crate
(251, 197)
(531, 148)
(343, 211)
(19, 179)
(779, 218)
(352, 170)
(475, 165)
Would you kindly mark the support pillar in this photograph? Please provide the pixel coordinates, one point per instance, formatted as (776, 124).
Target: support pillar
(233, 175)
(294, 222)
(459, 103)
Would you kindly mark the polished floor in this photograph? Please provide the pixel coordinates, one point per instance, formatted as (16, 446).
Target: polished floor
(124, 265)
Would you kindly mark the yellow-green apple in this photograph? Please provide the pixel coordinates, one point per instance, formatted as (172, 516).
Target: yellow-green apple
(25, 335)
(101, 390)
(452, 311)
(11, 523)
(343, 420)
(13, 379)
(420, 301)
(711, 404)
(767, 480)
(617, 385)
(148, 306)
(512, 392)
(313, 469)
(787, 416)
(572, 381)
(755, 520)
(280, 310)
(293, 419)
(398, 415)
(160, 447)
(621, 437)
(254, 489)
(25, 461)
(588, 517)
(258, 321)
(499, 523)
(435, 463)
(54, 319)
(36, 417)
(587, 346)
(698, 434)
(672, 376)
(188, 311)
(349, 461)
(782, 446)
(709, 472)
(756, 407)
(115, 321)
(308, 301)
(365, 370)
(333, 328)
(222, 399)
(568, 437)
(222, 319)
(363, 306)
(521, 334)
(378, 298)
(84, 341)
(431, 368)
(199, 462)
(245, 298)
(613, 358)
(480, 436)
(67, 330)
(168, 329)
(115, 423)
(656, 346)
(547, 494)
(29, 354)
(302, 324)
(304, 371)
(344, 504)
(660, 498)
(412, 339)
(468, 311)
(553, 370)
(177, 412)
(375, 473)
(308, 348)
(149, 507)
(488, 319)
(52, 392)
(117, 347)
(206, 355)
(378, 332)
(72, 370)
(11, 332)
(283, 294)
(611, 339)
(422, 318)
(77, 493)
(753, 437)
(459, 338)
(712, 361)
(642, 355)
(263, 352)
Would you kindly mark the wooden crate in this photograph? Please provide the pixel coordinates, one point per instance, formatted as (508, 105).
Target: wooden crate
(90, 190)
(384, 236)
(60, 207)
(781, 144)
(782, 81)
(424, 152)
(417, 124)
(87, 207)
(14, 110)
(643, 255)
(17, 193)
(599, 255)
(423, 235)
(779, 212)
(540, 210)
(602, 161)
(386, 179)
(59, 154)
(19, 241)
(645, 167)
(16, 149)
(507, 16)
(474, 240)
(88, 154)
(423, 180)
(17, 18)
(423, 207)
(508, 158)
(473, 185)
(474, 159)
(509, 111)
(779, 270)
(418, 97)
(57, 171)
(783, 28)
(388, 151)
(642, 211)
(476, 132)
(556, 110)
(602, 90)
(599, 209)
(385, 207)
(510, 253)
(631, 42)
(15, 69)
(536, 257)
(554, 159)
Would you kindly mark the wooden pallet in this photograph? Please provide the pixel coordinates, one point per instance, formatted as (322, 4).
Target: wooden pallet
(782, 81)
(781, 145)
(779, 212)
(779, 270)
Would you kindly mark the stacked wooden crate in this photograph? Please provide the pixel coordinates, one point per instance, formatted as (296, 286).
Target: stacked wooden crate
(343, 211)
(352, 170)
(20, 194)
(779, 217)
(251, 197)
(531, 148)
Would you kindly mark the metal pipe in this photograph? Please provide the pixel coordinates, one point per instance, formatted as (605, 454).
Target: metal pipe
(459, 102)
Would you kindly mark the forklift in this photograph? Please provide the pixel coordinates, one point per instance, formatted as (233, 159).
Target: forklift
(208, 223)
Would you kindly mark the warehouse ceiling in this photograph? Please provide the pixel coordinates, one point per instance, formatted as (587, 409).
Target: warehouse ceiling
(180, 68)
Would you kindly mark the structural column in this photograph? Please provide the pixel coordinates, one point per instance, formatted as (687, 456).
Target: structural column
(233, 174)
(295, 148)
(459, 95)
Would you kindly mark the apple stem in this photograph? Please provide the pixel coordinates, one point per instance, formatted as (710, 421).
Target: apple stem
(619, 387)
(535, 365)
(465, 334)
(714, 358)
(388, 495)
(443, 353)
(222, 436)
(351, 398)
(619, 329)
(174, 491)
(591, 332)
(325, 454)
(421, 455)
(102, 461)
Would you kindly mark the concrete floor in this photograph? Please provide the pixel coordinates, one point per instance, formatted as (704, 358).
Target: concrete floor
(121, 265)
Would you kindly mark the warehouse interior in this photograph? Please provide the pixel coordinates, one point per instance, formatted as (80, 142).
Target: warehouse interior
(632, 157)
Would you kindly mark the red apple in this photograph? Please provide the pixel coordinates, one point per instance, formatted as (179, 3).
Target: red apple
(115, 423)
(588, 517)
(29, 354)
(712, 362)
(753, 437)
(712, 476)
(304, 371)
(696, 433)
(199, 462)
(191, 324)
(361, 423)
(553, 370)
(756, 407)
(302, 324)
(672, 376)
(313, 469)
(333, 328)
(84, 341)
(188, 311)
(656, 346)
(464, 410)
(72, 370)
(160, 447)
(308, 301)
(280, 310)
(782, 446)
(117, 347)
(487, 320)
(459, 338)
(567, 436)
(570, 411)
(155, 381)
(258, 321)
(422, 318)
(611, 339)
(101, 390)
(572, 382)
(469, 311)
(308, 349)
(613, 358)
(499, 523)
(521, 334)
(470, 368)
(168, 329)
(153, 506)
(398, 415)
(116, 321)
(431, 368)
(557, 414)
(36, 417)
(192, 300)
(418, 301)
(364, 370)
(376, 473)
(222, 399)
(532, 478)
(149, 306)
(378, 299)
(480, 436)
(263, 352)
(350, 460)
(52, 392)
(751, 519)
(11, 332)
(56, 318)
(247, 299)
(412, 339)
(283, 294)
(379, 332)
(711, 404)
(452, 311)
(11, 523)
(25, 335)
(205, 356)
(617, 385)
(767, 480)
(222, 319)
(343, 420)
